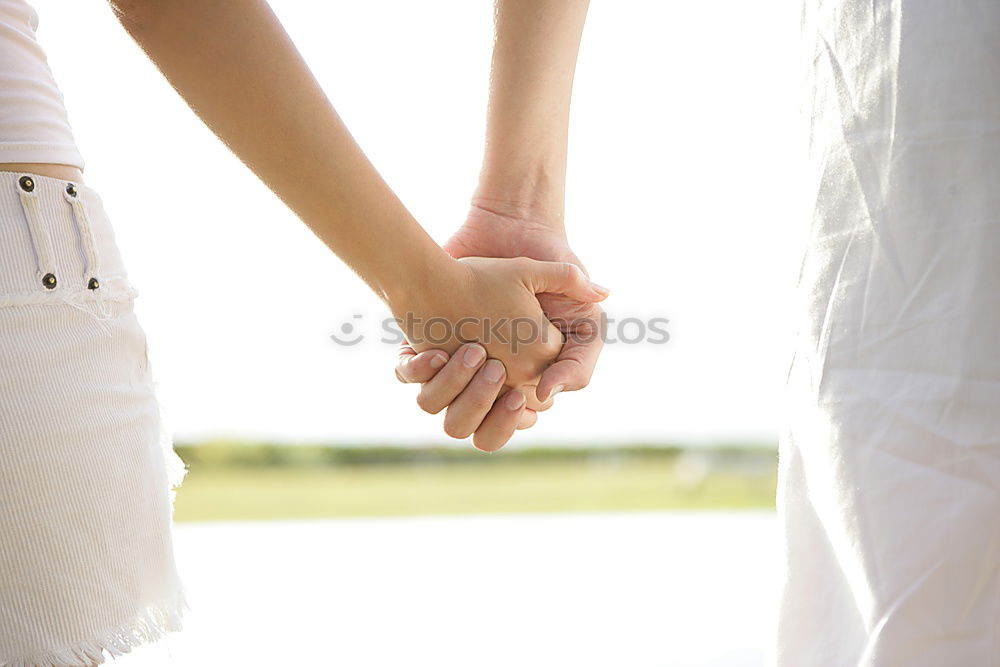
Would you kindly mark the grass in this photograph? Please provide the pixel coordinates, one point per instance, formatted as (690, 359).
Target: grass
(670, 480)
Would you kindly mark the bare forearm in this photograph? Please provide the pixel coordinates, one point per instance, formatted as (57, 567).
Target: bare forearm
(534, 60)
(236, 67)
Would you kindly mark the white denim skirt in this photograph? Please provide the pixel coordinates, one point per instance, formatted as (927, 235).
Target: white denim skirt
(86, 476)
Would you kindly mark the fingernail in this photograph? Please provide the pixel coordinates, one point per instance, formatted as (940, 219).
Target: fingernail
(514, 400)
(438, 360)
(493, 372)
(474, 356)
(603, 291)
(555, 390)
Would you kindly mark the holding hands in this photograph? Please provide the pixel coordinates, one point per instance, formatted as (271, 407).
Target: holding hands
(521, 316)
(464, 383)
(517, 211)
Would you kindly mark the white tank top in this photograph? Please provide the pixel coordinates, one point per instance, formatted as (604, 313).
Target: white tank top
(33, 123)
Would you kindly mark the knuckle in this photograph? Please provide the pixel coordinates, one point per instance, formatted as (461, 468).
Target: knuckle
(409, 373)
(568, 273)
(479, 403)
(428, 403)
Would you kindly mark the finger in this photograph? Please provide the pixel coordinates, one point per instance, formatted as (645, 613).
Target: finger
(528, 419)
(450, 381)
(501, 422)
(467, 412)
(413, 367)
(572, 369)
(533, 404)
(563, 278)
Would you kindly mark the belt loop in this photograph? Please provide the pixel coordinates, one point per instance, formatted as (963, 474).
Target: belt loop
(86, 236)
(39, 235)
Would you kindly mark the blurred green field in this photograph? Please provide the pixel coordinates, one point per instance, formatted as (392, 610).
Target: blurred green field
(240, 484)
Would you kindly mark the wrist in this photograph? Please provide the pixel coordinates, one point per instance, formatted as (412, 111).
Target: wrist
(533, 194)
(515, 221)
(521, 209)
(413, 285)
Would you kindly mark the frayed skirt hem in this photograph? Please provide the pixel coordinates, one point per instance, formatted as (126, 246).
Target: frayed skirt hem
(150, 625)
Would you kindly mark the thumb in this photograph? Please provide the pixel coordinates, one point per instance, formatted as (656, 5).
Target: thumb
(562, 278)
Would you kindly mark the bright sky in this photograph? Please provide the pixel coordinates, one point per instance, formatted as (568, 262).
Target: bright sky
(682, 199)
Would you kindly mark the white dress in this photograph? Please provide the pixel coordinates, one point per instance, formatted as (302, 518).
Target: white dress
(889, 490)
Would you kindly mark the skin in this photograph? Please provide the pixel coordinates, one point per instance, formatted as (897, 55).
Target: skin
(518, 209)
(254, 91)
(61, 171)
(261, 100)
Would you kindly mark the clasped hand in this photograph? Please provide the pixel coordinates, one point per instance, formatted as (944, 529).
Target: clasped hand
(494, 340)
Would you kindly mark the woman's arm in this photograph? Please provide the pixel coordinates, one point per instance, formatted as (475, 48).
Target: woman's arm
(239, 71)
